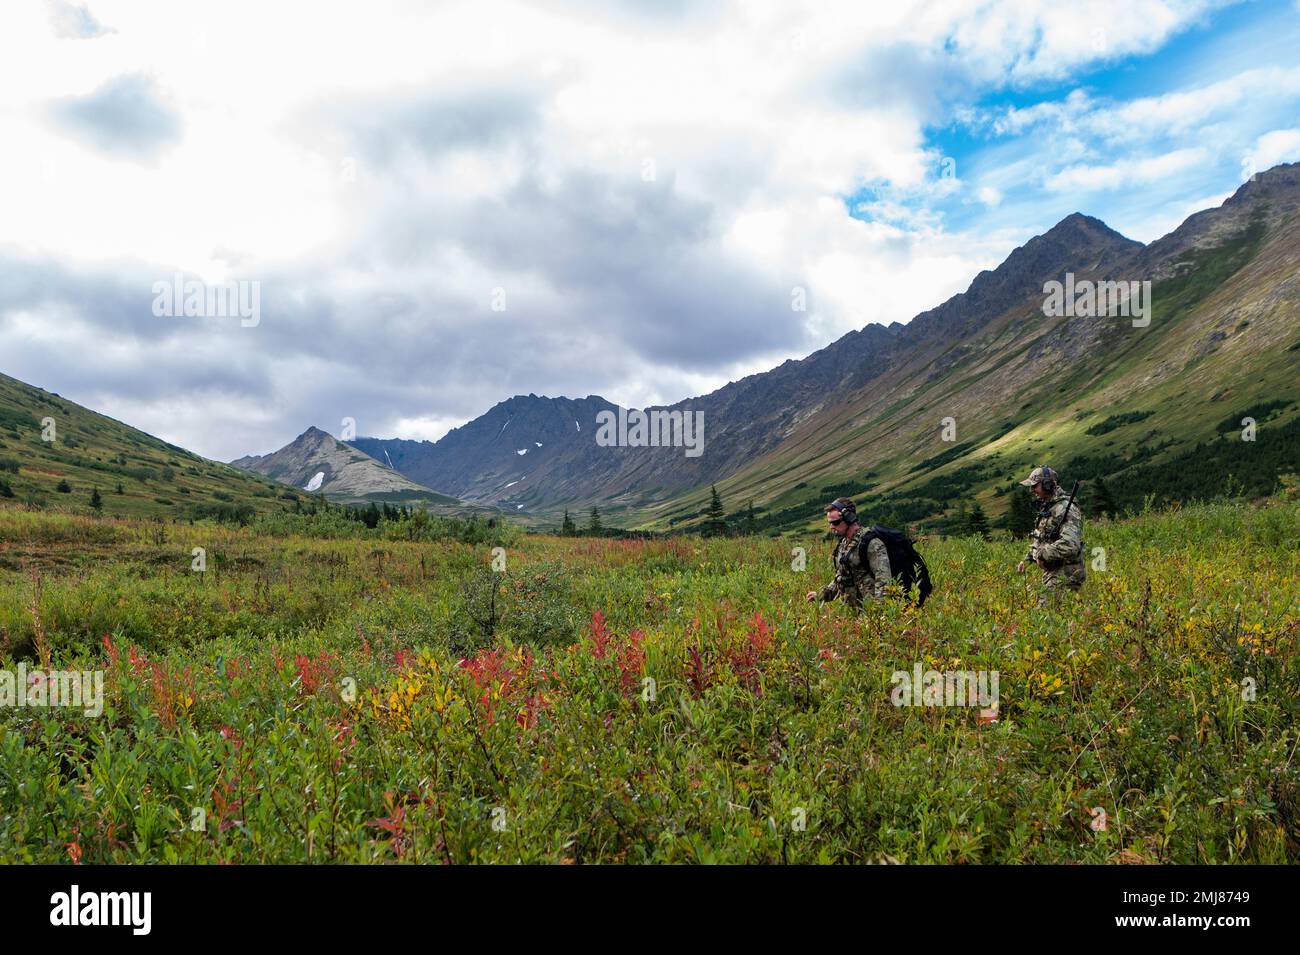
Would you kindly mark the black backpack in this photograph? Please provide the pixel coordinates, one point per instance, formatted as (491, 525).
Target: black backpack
(907, 566)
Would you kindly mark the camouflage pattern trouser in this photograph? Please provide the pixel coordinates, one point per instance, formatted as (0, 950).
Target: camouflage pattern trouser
(1057, 580)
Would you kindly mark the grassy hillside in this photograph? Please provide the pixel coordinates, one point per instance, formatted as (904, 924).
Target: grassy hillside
(136, 474)
(368, 699)
(1153, 412)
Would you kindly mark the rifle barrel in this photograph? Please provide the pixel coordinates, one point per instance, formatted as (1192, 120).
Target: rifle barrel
(1065, 514)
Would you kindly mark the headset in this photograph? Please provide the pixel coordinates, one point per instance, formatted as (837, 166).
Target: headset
(1049, 478)
(848, 510)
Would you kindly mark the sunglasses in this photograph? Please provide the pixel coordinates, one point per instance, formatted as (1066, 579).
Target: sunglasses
(835, 523)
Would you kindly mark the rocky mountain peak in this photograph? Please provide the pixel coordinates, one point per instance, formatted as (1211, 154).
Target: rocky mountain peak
(317, 461)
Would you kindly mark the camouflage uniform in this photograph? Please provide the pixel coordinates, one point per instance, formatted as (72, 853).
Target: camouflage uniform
(1064, 556)
(857, 580)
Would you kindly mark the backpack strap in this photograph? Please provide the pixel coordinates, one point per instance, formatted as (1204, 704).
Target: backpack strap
(854, 542)
(874, 533)
(862, 538)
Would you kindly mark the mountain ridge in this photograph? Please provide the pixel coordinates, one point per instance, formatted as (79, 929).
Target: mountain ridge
(861, 396)
(761, 409)
(317, 462)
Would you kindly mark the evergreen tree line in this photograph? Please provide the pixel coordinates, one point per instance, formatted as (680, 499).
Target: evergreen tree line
(595, 527)
(715, 523)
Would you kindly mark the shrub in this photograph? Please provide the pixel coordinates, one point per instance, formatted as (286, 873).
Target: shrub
(1117, 421)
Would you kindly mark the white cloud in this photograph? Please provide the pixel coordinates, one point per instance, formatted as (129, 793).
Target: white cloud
(383, 169)
(1126, 172)
(416, 429)
(72, 21)
(1188, 110)
(1173, 215)
(1145, 118)
(1032, 42)
(1278, 146)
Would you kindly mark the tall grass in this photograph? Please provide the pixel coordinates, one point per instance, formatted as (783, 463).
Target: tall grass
(366, 699)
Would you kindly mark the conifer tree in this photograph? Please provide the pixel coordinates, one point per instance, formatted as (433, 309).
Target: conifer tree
(960, 524)
(1021, 514)
(715, 525)
(1103, 504)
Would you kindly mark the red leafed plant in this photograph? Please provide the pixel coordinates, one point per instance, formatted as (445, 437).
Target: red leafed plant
(533, 704)
(746, 659)
(173, 693)
(697, 670)
(139, 662)
(625, 652)
(74, 847)
(498, 675)
(599, 636)
(631, 661)
(224, 805)
(394, 824)
(312, 674)
(236, 667)
(344, 738)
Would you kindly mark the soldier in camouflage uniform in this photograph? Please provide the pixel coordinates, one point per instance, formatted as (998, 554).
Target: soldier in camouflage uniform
(856, 579)
(1061, 556)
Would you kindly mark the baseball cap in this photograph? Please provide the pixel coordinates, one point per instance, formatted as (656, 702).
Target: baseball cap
(1038, 475)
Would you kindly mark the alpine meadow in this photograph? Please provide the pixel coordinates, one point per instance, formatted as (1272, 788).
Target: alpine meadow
(567, 433)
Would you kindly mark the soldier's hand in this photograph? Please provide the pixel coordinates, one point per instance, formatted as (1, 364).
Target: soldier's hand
(812, 594)
(1020, 567)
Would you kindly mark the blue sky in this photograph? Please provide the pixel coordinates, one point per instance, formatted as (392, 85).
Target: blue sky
(1221, 46)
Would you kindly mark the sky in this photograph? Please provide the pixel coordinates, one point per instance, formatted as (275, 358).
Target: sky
(440, 205)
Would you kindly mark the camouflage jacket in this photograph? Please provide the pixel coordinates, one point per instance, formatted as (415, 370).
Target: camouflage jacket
(855, 579)
(1068, 546)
